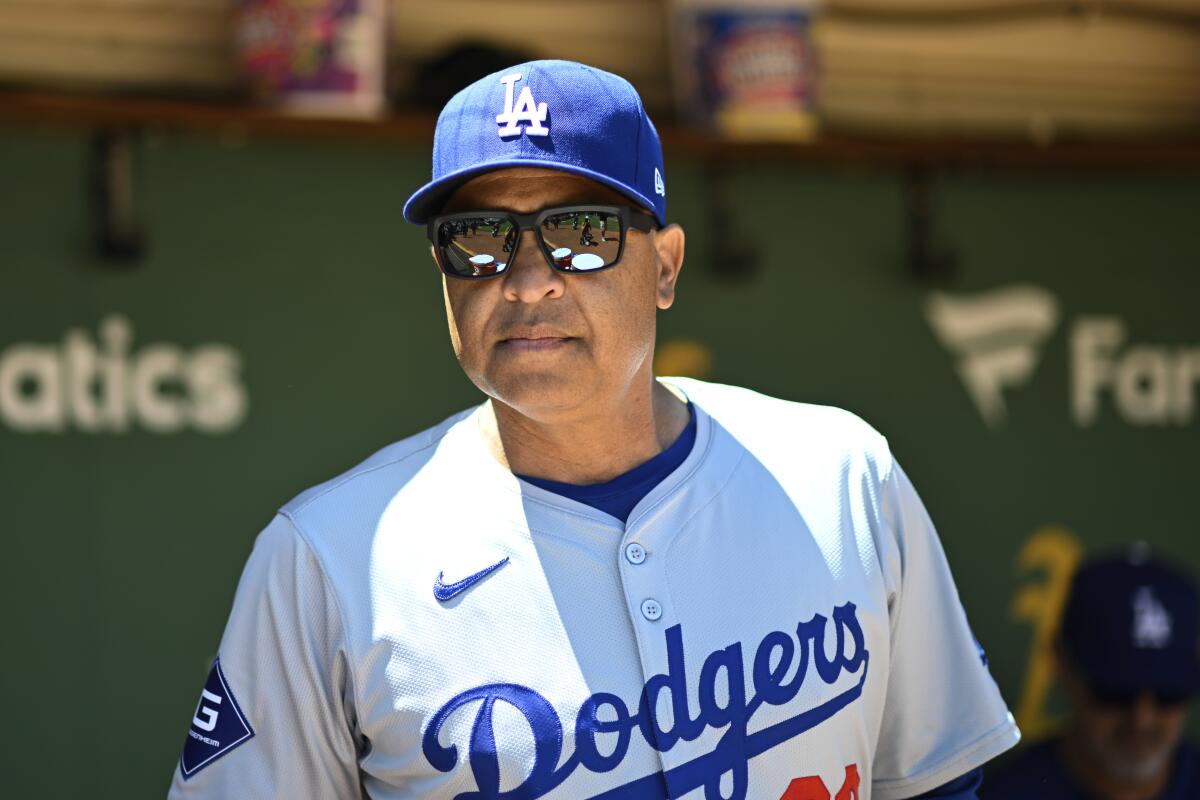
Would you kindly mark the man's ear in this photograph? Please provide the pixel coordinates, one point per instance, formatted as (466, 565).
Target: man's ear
(668, 244)
(433, 255)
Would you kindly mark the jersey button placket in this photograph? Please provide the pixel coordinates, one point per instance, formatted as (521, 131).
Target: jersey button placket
(642, 557)
(642, 579)
(651, 610)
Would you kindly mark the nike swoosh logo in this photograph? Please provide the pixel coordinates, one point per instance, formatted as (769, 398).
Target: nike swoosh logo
(445, 591)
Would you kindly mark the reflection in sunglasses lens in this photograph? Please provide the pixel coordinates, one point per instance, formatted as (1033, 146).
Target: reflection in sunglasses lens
(475, 247)
(1125, 698)
(582, 241)
(576, 241)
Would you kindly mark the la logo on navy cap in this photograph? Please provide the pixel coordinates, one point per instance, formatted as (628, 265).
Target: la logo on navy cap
(554, 114)
(1132, 622)
(1151, 622)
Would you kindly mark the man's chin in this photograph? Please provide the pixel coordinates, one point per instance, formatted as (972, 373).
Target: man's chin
(540, 393)
(1137, 768)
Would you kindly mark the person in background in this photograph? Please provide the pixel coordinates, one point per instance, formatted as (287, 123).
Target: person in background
(1128, 664)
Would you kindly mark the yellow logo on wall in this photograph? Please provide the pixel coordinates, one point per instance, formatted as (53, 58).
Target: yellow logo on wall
(683, 358)
(1053, 554)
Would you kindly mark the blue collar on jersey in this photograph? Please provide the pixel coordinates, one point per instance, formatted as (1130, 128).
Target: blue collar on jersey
(619, 496)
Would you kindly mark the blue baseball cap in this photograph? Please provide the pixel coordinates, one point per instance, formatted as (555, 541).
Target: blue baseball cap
(1132, 623)
(556, 114)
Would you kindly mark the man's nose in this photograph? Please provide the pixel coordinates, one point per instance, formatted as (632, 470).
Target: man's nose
(1143, 714)
(529, 278)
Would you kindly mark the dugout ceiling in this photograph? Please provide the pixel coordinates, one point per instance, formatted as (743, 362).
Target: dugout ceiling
(1008, 68)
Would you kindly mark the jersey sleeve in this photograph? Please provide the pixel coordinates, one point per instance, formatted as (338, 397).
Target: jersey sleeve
(276, 716)
(943, 714)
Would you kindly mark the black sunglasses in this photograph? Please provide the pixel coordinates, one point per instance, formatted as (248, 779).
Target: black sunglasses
(1121, 699)
(583, 238)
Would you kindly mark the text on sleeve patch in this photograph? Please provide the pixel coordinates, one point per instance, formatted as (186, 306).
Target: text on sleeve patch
(217, 727)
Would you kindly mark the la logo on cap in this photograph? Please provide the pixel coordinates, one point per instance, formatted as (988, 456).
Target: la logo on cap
(527, 110)
(1151, 622)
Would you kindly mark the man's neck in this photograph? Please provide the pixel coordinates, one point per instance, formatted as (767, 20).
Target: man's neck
(1092, 776)
(593, 447)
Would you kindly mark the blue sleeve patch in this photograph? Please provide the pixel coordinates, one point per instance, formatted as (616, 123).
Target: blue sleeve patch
(218, 725)
(983, 656)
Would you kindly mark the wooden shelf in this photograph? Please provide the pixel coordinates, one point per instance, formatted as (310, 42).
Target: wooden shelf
(225, 118)
(98, 110)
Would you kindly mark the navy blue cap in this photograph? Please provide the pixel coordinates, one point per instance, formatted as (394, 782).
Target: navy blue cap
(1131, 624)
(556, 114)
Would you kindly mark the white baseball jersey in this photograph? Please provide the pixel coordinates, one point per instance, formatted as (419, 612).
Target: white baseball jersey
(776, 621)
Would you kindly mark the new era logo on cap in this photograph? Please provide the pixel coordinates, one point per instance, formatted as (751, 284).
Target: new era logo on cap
(549, 114)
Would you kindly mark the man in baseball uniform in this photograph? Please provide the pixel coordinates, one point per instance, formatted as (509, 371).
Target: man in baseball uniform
(595, 584)
(1127, 661)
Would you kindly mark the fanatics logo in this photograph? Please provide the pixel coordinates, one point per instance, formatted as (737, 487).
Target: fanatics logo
(526, 110)
(997, 337)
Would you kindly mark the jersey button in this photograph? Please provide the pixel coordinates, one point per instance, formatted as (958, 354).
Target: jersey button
(635, 553)
(651, 610)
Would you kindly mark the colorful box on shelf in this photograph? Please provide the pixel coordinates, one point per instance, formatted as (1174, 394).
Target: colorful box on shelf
(315, 57)
(746, 69)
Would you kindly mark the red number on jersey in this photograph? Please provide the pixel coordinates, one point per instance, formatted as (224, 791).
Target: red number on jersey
(813, 788)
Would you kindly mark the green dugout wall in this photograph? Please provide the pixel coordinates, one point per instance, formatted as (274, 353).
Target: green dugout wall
(285, 324)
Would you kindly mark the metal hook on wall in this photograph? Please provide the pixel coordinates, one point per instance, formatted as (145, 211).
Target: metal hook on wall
(732, 255)
(116, 230)
(927, 261)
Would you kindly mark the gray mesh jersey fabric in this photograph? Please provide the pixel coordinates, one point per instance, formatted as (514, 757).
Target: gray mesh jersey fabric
(786, 621)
